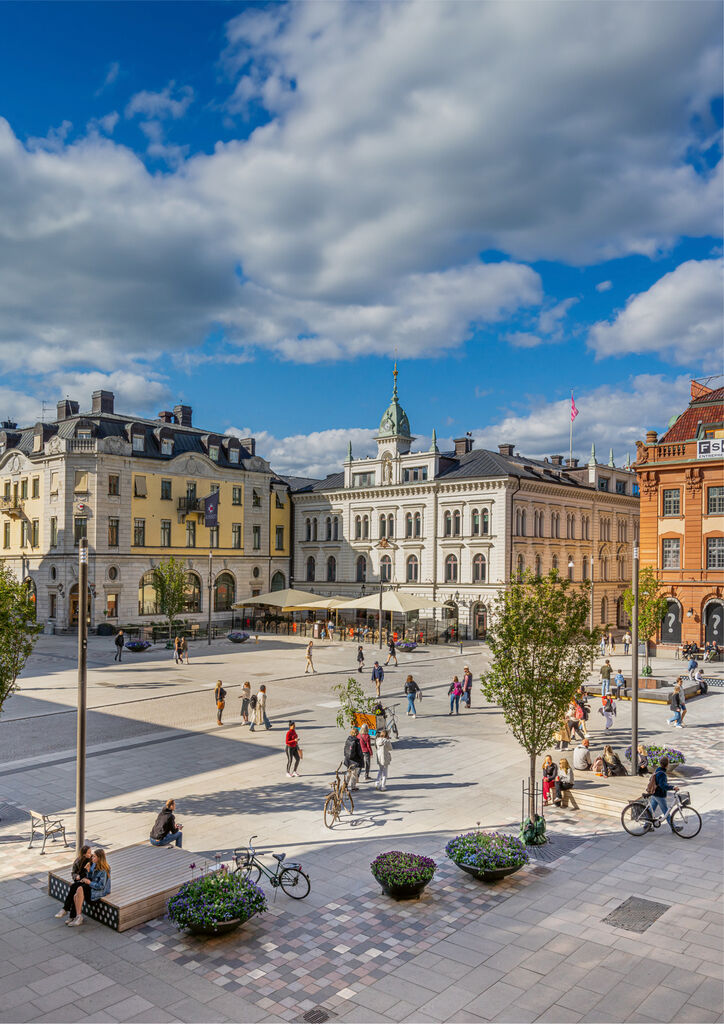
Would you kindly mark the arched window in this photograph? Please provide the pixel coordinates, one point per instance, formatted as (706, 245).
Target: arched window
(457, 519)
(390, 525)
(451, 569)
(278, 581)
(418, 524)
(314, 528)
(523, 523)
(448, 524)
(479, 569)
(604, 568)
(383, 526)
(536, 524)
(475, 522)
(357, 527)
(308, 529)
(328, 528)
(585, 568)
(224, 592)
(486, 521)
(147, 599)
(521, 565)
(537, 566)
(361, 569)
(365, 527)
(408, 524)
(413, 567)
(571, 568)
(311, 569)
(385, 568)
(331, 569)
(335, 528)
(554, 563)
(518, 522)
(192, 594)
(604, 611)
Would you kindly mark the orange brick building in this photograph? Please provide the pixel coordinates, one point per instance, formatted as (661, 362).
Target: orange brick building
(681, 481)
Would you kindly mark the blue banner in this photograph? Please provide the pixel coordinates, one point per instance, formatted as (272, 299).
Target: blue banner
(211, 510)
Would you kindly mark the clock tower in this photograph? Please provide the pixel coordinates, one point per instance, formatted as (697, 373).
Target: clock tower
(394, 437)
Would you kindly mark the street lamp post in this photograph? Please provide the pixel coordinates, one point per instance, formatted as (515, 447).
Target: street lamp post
(82, 693)
(635, 665)
(591, 593)
(379, 616)
(211, 567)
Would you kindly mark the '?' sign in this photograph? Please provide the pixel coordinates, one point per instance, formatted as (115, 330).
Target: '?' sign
(711, 448)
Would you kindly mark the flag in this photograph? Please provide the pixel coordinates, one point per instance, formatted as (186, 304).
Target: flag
(211, 510)
(574, 411)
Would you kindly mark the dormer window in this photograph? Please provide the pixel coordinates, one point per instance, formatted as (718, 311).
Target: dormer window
(214, 452)
(234, 456)
(167, 446)
(83, 434)
(138, 443)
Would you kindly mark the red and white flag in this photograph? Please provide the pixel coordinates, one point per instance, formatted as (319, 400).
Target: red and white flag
(574, 411)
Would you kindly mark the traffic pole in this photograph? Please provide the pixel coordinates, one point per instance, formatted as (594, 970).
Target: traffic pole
(635, 665)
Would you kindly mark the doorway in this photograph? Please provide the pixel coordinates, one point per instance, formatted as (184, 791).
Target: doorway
(714, 623)
(480, 621)
(671, 624)
(73, 603)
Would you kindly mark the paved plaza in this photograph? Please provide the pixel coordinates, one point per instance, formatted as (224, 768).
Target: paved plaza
(532, 947)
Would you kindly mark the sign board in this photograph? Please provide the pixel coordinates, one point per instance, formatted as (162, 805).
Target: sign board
(711, 448)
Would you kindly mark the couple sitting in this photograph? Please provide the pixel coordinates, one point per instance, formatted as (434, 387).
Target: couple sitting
(91, 876)
(558, 778)
(606, 764)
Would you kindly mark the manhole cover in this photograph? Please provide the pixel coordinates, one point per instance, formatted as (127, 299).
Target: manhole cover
(635, 914)
(316, 1015)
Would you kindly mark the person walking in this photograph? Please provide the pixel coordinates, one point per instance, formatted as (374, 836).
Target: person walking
(411, 691)
(626, 640)
(605, 674)
(166, 830)
(619, 682)
(360, 658)
(562, 736)
(310, 663)
(454, 694)
(611, 643)
(365, 745)
(682, 695)
(603, 646)
(467, 686)
(245, 698)
(294, 752)
(220, 698)
(260, 715)
(692, 667)
(119, 640)
(658, 799)
(330, 630)
(378, 675)
(177, 650)
(675, 706)
(608, 711)
(393, 651)
(574, 719)
(184, 650)
(383, 753)
(353, 757)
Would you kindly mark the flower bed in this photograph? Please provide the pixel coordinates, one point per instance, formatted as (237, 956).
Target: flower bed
(138, 646)
(406, 645)
(210, 903)
(403, 875)
(654, 753)
(237, 638)
(487, 855)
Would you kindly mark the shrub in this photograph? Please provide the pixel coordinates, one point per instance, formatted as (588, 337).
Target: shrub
(487, 851)
(398, 868)
(215, 897)
(654, 753)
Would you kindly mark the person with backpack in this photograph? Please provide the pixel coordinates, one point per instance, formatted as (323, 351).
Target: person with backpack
(360, 658)
(258, 702)
(119, 640)
(608, 711)
(411, 692)
(574, 718)
(467, 686)
(454, 693)
(378, 675)
(657, 789)
(220, 698)
(353, 757)
(692, 667)
(675, 706)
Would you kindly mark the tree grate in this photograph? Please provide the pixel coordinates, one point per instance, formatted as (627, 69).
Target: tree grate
(317, 1015)
(636, 915)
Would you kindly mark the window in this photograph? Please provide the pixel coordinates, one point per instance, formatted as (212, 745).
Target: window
(139, 532)
(147, 598)
(114, 484)
(138, 442)
(365, 527)
(113, 525)
(256, 537)
(408, 524)
(475, 522)
(457, 521)
(80, 528)
(715, 552)
(113, 573)
(554, 563)
(418, 524)
(328, 528)
(537, 566)
(278, 581)
(311, 567)
(166, 490)
(715, 501)
(35, 534)
(331, 569)
(81, 483)
(363, 479)
(361, 569)
(7, 487)
(52, 605)
(139, 487)
(571, 568)
(308, 529)
(451, 569)
(278, 500)
(234, 456)
(620, 487)
(383, 526)
(603, 483)
(83, 434)
(35, 487)
(447, 524)
(279, 538)
(386, 569)
(604, 569)
(335, 528)
(671, 553)
(635, 490)
(672, 501)
(236, 495)
(24, 488)
(165, 533)
(167, 446)
(520, 565)
(224, 592)
(24, 533)
(390, 525)
(585, 569)
(214, 452)
(190, 490)
(413, 569)
(213, 536)
(53, 484)
(190, 533)
(255, 499)
(479, 569)
(6, 534)
(214, 488)
(357, 528)
(53, 531)
(236, 535)
(192, 593)
(414, 473)
(111, 606)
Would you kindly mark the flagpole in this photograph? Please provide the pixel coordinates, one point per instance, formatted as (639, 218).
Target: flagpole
(570, 440)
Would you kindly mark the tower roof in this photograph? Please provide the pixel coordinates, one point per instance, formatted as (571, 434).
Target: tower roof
(394, 422)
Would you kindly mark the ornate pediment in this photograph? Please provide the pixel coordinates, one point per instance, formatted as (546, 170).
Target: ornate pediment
(649, 484)
(693, 478)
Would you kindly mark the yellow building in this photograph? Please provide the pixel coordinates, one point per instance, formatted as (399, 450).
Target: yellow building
(136, 489)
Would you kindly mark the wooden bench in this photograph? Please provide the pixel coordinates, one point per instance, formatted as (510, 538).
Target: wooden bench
(49, 826)
(143, 880)
(607, 796)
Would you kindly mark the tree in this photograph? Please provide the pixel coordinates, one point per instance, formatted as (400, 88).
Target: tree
(652, 606)
(18, 630)
(542, 653)
(169, 583)
(352, 700)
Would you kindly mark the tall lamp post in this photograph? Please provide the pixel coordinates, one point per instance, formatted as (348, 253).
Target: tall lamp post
(82, 693)
(635, 665)
(591, 593)
(211, 571)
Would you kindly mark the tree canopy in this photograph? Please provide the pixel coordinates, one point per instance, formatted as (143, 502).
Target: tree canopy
(18, 630)
(169, 583)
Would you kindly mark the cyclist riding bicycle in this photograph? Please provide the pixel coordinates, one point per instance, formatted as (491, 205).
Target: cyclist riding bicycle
(657, 799)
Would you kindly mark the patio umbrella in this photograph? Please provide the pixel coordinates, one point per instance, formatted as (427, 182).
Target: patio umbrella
(392, 601)
(280, 599)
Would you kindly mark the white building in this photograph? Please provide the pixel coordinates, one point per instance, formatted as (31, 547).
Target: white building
(454, 526)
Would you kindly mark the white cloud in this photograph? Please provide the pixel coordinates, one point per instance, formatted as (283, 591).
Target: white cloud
(111, 75)
(314, 455)
(136, 391)
(162, 104)
(22, 408)
(105, 124)
(679, 318)
(524, 339)
(604, 286)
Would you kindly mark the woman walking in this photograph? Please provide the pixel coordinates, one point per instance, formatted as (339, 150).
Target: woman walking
(245, 697)
(360, 658)
(608, 711)
(365, 745)
(260, 716)
(411, 691)
(454, 694)
(309, 663)
(177, 650)
(220, 698)
(383, 753)
(294, 752)
(675, 706)
(467, 686)
(184, 650)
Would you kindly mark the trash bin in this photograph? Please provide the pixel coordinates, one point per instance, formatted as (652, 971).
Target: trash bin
(49, 628)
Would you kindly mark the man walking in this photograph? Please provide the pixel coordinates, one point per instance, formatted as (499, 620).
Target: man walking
(353, 757)
(378, 675)
(393, 651)
(310, 663)
(330, 630)
(626, 639)
(619, 681)
(119, 642)
(605, 673)
(692, 667)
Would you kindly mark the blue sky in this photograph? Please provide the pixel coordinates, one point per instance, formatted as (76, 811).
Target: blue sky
(251, 208)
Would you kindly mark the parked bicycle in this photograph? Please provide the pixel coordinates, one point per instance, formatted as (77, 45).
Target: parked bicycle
(638, 818)
(290, 877)
(340, 799)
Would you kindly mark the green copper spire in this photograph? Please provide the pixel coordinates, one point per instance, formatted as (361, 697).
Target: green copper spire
(628, 461)
(611, 463)
(433, 446)
(592, 460)
(349, 452)
(395, 423)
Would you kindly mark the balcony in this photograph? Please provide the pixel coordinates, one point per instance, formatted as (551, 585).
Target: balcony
(12, 507)
(187, 505)
(81, 444)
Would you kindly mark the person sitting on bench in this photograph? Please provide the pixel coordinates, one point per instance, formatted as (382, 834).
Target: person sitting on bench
(612, 763)
(582, 758)
(166, 831)
(78, 872)
(94, 886)
(564, 781)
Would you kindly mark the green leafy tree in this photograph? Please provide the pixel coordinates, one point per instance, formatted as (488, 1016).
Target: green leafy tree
(652, 606)
(169, 583)
(352, 699)
(542, 651)
(18, 631)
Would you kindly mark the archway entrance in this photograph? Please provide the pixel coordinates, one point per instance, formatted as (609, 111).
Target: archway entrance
(480, 621)
(73, 603)
(714, 623)
(671, 624)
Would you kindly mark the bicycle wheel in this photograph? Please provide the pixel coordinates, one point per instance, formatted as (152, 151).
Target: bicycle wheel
(636, 818)
(331, 810)
(250, 873)
(347, 800)
(686, 822)
(295, 883)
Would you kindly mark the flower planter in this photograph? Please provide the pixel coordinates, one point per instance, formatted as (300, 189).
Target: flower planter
(218, 928)
(138, 646)
(488, 856)
(237, 638)
(215, 903)
(489, 875)
(404, 892)
(403, 876)
(406, 645)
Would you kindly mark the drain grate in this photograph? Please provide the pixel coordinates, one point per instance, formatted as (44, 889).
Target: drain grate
(317, 1015)
(636, 915)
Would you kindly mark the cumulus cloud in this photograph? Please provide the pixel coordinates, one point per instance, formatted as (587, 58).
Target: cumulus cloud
(162, 104)
(604, 286)
(136, 391)
(17, 406)
(679, 317)
(313, 455)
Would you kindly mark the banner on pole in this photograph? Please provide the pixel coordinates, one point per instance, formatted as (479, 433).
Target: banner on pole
(211, 510)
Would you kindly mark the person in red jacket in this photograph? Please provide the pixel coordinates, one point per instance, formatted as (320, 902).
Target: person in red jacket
(365, 744)
(293, 751)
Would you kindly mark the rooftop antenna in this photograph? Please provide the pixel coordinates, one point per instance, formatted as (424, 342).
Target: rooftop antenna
(42, 410)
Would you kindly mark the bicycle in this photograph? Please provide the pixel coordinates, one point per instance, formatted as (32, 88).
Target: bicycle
(389, 719)
(337, 801)
(637, 817)
(290, 878)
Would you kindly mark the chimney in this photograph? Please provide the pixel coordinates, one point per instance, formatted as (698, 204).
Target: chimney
(463, 445)
(8, 424)
(572, 463)
(182, 414)
(506, 449)
(249, 443)
(166, 416)
(699, 390)
(67, 408)
(102, 402)
(651, 437)
(557, 460)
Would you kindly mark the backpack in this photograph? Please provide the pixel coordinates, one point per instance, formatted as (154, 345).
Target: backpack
(579, 712)
(252, 701)
(651, 788)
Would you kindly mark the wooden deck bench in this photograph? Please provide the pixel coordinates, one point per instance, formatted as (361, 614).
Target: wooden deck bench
(49, 826)
(143, 879)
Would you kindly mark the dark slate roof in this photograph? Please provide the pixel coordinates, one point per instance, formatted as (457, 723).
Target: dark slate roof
(300, 483)
(708, 408)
